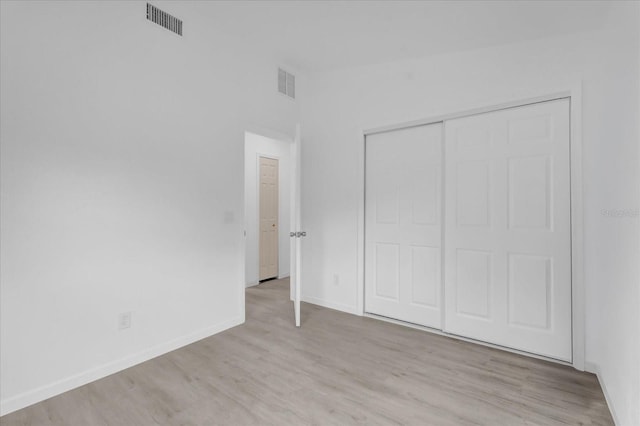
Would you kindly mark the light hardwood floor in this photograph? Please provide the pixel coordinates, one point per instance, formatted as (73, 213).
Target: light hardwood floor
(338, 369)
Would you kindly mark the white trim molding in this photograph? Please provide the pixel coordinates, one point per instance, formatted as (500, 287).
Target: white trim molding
(56, 388)
(331, 305)
(595, 369)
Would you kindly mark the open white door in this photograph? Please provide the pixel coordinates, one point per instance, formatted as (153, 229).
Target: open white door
(296, 234)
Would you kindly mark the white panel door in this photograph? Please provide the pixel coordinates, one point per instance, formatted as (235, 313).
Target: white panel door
(296, 232)
(507, 235)
(403, 224)
(268, 218)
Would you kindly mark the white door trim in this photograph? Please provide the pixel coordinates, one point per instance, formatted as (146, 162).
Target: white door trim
(296, 222)
(574, 93)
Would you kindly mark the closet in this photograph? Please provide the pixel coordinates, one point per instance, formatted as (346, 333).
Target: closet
(467, 227)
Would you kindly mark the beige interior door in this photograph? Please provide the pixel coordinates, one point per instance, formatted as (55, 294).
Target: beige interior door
(268, 218)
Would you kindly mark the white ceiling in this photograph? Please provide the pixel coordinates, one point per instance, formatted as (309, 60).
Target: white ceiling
(322, 35)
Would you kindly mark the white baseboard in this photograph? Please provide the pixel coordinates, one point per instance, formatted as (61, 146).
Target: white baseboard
(56, 388)
(595, 369)
(590, 367)
(331, 305)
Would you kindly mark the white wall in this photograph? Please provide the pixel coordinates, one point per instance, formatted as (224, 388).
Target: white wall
(122, 186)
(256, 146)
(344, 103)
(122, 168)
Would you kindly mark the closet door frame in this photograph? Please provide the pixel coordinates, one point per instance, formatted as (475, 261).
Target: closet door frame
(574, 94)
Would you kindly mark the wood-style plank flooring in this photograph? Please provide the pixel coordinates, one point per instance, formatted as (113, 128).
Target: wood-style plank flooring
(338, 369)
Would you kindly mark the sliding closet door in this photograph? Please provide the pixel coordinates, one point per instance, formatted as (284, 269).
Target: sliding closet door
(403, 224)
(507, 236)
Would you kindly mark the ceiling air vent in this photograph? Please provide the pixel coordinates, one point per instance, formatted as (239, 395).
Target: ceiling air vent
(163, 19)
(286, 83)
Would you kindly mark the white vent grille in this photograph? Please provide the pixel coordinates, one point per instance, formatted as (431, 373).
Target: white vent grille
(163, 19)
(286, 83)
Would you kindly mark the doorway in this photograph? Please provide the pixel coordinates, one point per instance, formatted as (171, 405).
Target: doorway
(274, 163)
(267, 208)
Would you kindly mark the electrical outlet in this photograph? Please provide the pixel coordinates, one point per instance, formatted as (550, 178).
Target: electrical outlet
(336, 279)
(124, 320)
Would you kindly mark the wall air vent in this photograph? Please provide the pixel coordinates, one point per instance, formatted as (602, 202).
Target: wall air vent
(286, 83)
(163, 19)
